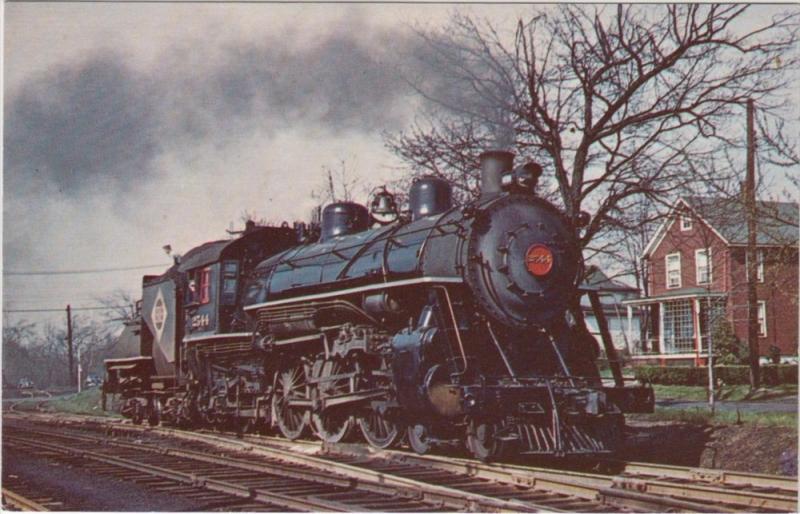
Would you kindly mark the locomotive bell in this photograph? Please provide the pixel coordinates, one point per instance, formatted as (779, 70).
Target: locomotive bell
(383, 204)
(494, 163)
(342, 218)
(429, 196)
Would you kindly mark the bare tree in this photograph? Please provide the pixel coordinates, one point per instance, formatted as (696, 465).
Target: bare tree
(121, 306)
(620, 104)
(17, 338)
(340, 185)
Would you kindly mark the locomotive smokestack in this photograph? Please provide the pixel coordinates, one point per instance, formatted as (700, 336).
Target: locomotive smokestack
(493, 164)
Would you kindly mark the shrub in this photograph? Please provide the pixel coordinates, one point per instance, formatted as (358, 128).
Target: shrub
(771, 375)
(728, 347)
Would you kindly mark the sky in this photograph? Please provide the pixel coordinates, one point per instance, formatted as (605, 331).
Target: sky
(132, 126)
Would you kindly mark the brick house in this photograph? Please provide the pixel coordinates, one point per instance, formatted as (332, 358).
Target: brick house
(696, 276)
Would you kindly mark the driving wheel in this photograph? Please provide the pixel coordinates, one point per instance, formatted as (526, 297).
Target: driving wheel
(288, 401)
(334, 378)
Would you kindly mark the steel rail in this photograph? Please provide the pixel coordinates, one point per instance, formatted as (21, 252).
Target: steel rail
(715, 495)
(587, 486)
(260, 495)
(647, 487)
(357, 477)
(451, 498)
(584, 484)
(721, 476)
(20, 502)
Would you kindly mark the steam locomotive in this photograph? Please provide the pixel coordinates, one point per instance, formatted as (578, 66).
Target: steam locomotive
(446, 325)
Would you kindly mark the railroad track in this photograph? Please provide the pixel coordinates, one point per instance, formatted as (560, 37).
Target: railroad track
(13, 499)
(459, 484)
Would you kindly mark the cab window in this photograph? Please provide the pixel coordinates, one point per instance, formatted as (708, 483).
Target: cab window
(230, 282)
(205, 285)
(199, 287)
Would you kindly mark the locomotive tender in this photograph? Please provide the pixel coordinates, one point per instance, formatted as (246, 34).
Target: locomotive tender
(450, 325)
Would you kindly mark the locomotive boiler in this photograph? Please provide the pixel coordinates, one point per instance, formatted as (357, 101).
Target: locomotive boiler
(451, 325)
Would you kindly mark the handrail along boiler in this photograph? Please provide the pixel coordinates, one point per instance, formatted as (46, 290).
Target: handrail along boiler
(448, 325)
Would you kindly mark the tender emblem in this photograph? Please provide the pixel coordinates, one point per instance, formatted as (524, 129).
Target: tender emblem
(159, 315)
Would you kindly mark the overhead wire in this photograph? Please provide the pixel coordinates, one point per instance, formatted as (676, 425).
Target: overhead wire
(82, 271)
(62, 309)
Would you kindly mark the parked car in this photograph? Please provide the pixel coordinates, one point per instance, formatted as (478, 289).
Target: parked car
(93, 381)
(25, 383)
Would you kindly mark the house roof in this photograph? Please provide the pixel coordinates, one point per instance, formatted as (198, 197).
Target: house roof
(678, 294)
(596, 280)
(776, 222)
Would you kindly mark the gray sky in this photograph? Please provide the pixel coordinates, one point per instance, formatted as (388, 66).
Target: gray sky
(132, 126)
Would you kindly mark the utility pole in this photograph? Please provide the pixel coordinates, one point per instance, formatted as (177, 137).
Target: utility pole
(711, 322)
(79, 370)
(750, 206)
(69, 345)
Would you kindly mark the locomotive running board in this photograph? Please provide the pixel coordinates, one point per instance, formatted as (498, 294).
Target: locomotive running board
(355, 290)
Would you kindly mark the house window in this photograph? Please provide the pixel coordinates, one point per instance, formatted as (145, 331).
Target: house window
(759, 265)
(702, 263)
(686, 222)
(673, 270)
(205, 285)
(762, 318)
(678, 327)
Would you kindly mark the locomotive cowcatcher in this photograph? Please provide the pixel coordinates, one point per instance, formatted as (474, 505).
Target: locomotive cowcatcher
(442, 325)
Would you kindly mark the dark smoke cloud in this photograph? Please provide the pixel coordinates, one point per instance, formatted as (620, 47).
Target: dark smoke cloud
(340, 83)
(79, 126)
(99, 124)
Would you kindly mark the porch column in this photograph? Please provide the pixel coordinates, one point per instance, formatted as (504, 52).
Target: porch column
(661, 341)
(697, 336)
(630, 326)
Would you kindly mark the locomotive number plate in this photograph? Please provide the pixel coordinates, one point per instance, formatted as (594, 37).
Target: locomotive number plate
(200, 321)
(539, 260)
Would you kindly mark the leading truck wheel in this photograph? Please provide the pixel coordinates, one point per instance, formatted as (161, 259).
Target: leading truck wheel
(481, 440)
(290, 386)
(137, 416)
(419, 438)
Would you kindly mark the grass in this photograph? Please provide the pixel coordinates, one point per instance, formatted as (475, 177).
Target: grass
(85, 402)
(702, 416)
(726, 393)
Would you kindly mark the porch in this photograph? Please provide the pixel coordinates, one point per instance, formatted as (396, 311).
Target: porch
(675, 328)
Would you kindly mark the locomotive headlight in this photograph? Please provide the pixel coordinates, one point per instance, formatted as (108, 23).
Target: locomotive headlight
(523, 178)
